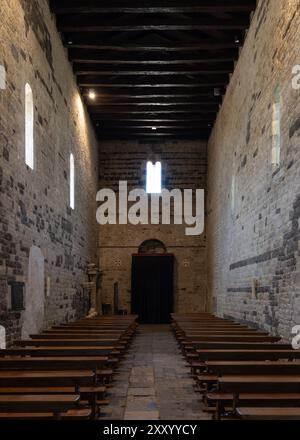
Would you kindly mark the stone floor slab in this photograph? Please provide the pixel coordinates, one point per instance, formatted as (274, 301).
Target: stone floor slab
(154, 381)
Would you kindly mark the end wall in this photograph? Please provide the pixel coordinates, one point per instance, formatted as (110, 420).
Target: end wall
(183, 166)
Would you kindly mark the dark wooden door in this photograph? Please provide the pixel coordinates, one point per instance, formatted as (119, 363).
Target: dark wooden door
(152, 288)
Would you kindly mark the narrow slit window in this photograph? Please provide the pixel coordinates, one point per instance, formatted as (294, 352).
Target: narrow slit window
(29, 122)
(72, 182)
(233, 193)
(153, 181)
(276, 129)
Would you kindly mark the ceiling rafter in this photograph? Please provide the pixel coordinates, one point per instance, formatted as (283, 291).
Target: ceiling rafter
(160, 64)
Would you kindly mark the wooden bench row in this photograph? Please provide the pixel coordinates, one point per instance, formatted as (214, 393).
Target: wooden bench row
(241, 372)
(63, 373)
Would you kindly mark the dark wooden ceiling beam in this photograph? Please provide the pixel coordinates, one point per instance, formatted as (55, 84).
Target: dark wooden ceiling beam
(80, 27)
(78, 43)
(153, 91)
(150, 7)
(115, 99)
(154, 81)
(133, 109)
(111, 57)
(150, 122)
(148, 95)
(155, 63)
(118, 73)
(208, 104)
(155, 119)
(203, 134)
(136, 125)
(128, 23)
(155, 133)
(92, 85)
(135, 69)
(153, 41)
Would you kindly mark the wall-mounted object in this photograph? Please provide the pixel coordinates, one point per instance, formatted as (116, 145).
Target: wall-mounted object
(48, 287)
(117, 262)
(17, 295)
(254, 288)
(185, 263)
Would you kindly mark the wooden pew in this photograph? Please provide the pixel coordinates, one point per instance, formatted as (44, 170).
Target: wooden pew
(39, 403)
(269, 413)
(253, 367)
(53, 365)
(224, 402)
(65, 335)
(249, 368)
(210, 354)
(234, 338)
(267, 383)
(77, 414)
(44, 378)
(236, 345)
(93, 363)
(60, 342)
(59, 351)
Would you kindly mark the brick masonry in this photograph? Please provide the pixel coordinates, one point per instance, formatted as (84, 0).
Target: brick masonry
(183, 166)
(254, 207)
(34, 205)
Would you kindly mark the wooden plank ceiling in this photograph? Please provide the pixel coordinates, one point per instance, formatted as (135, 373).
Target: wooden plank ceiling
(154, 68)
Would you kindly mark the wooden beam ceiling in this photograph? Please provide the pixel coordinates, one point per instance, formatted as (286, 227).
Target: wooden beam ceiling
(157, 67)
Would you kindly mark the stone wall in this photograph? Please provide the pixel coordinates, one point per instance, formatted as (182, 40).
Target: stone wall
(253, 205)
(34, 205)
(183, 166)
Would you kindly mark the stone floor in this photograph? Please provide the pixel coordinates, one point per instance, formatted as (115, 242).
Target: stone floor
(153, 382)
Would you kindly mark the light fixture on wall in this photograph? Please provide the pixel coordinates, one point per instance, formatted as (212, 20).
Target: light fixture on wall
(154, 128)
(92, 95)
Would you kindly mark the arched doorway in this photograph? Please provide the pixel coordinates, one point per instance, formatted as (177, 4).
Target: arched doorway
(152, 283)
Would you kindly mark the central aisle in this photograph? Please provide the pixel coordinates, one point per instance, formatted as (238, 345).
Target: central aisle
(153, 382)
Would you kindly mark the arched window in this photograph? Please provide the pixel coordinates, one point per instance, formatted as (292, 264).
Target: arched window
(2, 78)
(2, 338)
(153, 181)
(276, 135)
(72, 182)
(29, 123)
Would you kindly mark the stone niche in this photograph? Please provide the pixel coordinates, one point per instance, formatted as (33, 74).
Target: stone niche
(2, 338)
(33, 315)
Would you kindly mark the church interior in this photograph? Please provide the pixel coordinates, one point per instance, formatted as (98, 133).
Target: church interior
(150, 210)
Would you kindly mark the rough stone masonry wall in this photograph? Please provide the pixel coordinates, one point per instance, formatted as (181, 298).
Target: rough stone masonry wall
(253, 217)
(183, 166)
(34, 205)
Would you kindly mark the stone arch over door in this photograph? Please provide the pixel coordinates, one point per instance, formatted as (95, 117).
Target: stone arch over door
(152, 246)
(2, 338)
(33, 315)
